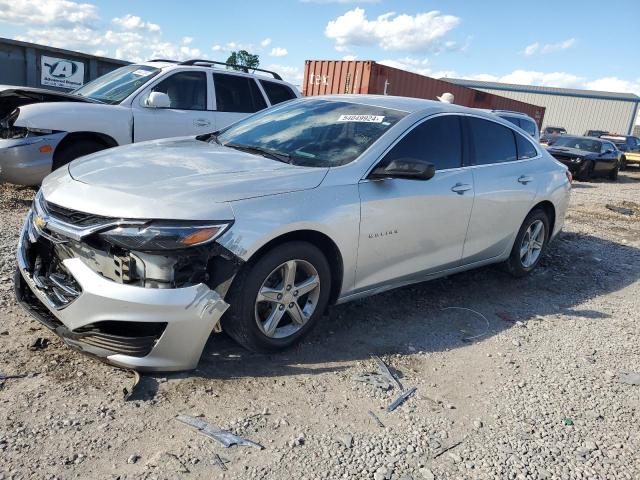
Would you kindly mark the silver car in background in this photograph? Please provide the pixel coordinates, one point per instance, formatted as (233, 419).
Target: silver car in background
(138, 253)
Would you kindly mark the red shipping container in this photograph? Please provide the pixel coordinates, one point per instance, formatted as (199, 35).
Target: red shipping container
(325, 77)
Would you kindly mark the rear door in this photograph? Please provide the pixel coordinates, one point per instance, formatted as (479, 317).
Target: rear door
(236, 96)
(189, 112)
(412, 227)
(505, 177)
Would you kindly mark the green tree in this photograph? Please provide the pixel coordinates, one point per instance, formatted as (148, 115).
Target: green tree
(243, 60)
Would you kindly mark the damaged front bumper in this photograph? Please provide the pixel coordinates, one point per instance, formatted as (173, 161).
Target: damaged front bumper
(152, 329)
(27, 160)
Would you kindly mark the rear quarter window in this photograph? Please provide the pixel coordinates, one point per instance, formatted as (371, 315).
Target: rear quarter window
(277, 92)
(528, 126)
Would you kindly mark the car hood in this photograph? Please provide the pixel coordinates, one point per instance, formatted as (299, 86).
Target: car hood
(12, 97)
(569, 151)
(176, 178)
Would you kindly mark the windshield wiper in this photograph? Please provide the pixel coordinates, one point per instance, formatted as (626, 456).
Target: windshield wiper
(265, 152)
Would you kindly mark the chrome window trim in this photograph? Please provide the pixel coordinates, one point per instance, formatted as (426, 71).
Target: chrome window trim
(404, 134)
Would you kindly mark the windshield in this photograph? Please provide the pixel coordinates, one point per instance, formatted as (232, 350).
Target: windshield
(316, 133)
(115, 86)
(578, 143)
(551, 130)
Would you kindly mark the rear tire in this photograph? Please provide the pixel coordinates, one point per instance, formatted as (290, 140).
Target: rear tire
(519, 264)
(75, 150)
(246, 319)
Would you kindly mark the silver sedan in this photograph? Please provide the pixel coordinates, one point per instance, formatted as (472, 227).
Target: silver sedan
(136, 254)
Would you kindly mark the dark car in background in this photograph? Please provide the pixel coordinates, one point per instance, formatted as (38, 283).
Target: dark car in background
(587, 157)
(549, 134)
(595, 133)
(629, 146)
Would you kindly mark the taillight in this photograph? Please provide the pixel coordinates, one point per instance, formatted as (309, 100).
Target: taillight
(569, 176)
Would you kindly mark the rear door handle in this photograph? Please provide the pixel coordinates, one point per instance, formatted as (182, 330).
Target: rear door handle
(523, 179)
(201, 122)
(460, 188)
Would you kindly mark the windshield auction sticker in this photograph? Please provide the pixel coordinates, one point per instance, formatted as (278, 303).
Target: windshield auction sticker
(361, 118)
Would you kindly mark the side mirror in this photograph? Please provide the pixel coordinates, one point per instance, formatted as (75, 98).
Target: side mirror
(158, 100)
(407, 168)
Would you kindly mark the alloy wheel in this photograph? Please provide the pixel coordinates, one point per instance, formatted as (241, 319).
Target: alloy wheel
(287, 299)
(532, 243)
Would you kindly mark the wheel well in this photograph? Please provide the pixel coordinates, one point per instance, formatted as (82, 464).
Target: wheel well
(320, 240)
(550, 210)
(101, 138)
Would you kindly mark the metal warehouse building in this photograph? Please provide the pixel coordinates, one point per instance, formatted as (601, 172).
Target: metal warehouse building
(33, 65)
(576, 110)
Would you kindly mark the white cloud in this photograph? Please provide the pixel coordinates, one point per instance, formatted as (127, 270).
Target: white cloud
(349, 57)
(548, 47)
(266, 42)
(187, 40)
(290, 74)
(278, 52)
(133, 22)
(57, 13)
(415, 65)
(531, 49)
(232, 47)
(390, 31)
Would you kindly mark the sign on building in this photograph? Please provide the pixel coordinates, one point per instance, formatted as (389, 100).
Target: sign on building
(58, 72)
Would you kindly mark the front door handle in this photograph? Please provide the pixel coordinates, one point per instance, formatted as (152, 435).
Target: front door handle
(201, 122)
(460, 188)
(523, 179)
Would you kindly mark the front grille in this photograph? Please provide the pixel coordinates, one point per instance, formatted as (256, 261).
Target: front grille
(73, 217)
(31, 303)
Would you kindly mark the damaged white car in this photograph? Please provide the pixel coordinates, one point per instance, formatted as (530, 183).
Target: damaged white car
(137, 254)
(42, 130)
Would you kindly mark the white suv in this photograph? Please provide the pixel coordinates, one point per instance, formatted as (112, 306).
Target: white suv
(145, 101)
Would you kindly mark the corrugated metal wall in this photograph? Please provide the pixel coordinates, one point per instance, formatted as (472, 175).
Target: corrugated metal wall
(20, 63)
(322, 77)
(578, 114)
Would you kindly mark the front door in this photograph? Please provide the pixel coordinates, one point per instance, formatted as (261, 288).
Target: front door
(409, 228)
(187, 114)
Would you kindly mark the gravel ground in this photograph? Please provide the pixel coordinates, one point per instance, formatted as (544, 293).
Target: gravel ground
(532, 390)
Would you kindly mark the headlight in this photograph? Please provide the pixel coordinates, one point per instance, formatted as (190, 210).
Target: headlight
(164, 235)
(577, 159)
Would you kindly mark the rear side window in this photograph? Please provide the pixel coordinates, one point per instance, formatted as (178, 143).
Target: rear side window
(438, 141)
(514, 120)
(528, 126)
(186, 90)
(492, 142)
(525, 147)
(277, 92)
(237, 94)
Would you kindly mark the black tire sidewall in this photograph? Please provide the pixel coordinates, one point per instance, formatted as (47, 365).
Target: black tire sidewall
(74, 150)
(240, 323)
(514, 262)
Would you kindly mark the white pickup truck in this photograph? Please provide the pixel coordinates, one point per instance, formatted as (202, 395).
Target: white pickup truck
(41, 130)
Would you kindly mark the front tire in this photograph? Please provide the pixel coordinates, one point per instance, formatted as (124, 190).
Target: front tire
(74, 150)
(530, 244)
(613, 174)
(278, 299)
(585, 171)
(623, 164)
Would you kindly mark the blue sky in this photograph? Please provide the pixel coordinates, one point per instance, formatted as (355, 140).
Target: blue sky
(567, 44)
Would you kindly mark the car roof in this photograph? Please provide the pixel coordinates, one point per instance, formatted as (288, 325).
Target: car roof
(405, 104)
(166, 64)
(500, 112)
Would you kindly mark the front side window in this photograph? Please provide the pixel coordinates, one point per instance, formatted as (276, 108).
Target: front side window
(438, 141)
(115, 86)
(315, 133)
(607, 146)
(492, 142)
(186, 90)
(277, 92)
(235, 93)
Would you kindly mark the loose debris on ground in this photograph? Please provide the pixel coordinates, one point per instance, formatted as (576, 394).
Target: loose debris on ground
(539, 396)
(225, 438)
